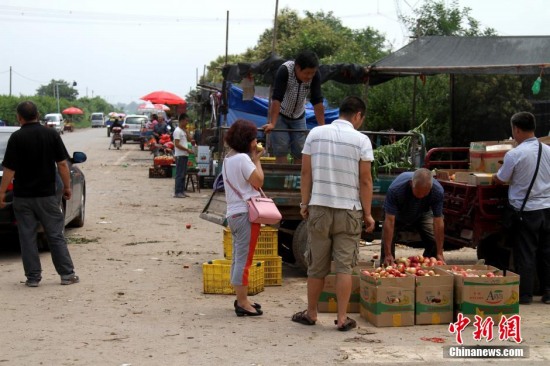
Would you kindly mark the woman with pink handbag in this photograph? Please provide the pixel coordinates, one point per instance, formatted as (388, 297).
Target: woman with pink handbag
(243, 174)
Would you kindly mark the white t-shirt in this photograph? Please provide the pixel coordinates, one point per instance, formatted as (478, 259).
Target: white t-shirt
(237, 169)
(180, 134)
(336, 151)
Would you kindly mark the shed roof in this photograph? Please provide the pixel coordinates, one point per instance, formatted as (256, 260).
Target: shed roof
(514, 55)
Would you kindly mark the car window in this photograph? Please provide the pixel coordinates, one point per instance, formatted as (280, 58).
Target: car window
(97, 117)
(135, 120)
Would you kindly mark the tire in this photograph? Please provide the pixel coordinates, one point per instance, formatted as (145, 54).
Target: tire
(108, 133)
(142, 145)
(42, 242)
(299, 245)
(78, 221)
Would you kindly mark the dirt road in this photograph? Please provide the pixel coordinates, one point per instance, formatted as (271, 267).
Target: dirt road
(140, 299)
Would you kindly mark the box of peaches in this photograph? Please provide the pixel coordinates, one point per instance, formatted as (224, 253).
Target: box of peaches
(484, 290)
(430, 286)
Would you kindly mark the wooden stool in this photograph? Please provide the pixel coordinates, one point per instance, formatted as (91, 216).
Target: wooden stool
(194, 179)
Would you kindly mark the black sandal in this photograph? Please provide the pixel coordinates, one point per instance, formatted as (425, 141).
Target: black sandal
(302, 318)
(348, 324)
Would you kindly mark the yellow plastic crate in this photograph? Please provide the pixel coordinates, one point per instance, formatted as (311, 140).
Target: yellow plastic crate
(273, 270)
(266, 246)
(217, 279)
(267, 160)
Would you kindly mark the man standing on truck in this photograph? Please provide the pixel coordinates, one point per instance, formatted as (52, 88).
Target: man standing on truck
(414, 201)
(336, 189)
(293, 82)
(530, 236)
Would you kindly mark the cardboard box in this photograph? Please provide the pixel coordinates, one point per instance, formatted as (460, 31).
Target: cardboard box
(387, 302)
(203, 169)
(485, 296)
(460, 175)
(327, 300)
(204, 155)
(487, 156)
(480, 179)
(484, 146)
(434, 298)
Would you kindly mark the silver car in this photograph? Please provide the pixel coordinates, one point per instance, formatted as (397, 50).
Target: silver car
(132, 126)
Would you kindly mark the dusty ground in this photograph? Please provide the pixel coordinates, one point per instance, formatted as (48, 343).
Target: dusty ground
(140, 299)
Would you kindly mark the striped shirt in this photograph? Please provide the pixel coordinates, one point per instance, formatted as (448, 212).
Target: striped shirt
(403, 204)
(292, 93)
(336, 151)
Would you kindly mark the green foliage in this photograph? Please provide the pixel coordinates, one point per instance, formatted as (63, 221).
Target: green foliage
(48, 104)
(65, 90)
(435, 18)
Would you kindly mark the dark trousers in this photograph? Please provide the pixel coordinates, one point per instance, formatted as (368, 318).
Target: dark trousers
(423, 226)
(181, 171)
(531, 245)
(29, 213)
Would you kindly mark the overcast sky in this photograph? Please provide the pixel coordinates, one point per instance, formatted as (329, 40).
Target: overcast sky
(124, 49)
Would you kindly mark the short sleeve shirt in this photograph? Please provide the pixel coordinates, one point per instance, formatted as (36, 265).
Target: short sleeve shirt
(237, 170)
(401, 202)
(32, 152)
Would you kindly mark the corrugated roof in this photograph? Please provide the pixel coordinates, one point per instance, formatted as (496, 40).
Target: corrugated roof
(467, 55)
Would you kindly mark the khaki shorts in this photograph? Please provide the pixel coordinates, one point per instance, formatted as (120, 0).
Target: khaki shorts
(334, 234)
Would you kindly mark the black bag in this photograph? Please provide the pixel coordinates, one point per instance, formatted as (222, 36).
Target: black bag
(511, 217)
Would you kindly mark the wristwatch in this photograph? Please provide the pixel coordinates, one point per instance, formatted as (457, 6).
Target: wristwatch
(303, 205)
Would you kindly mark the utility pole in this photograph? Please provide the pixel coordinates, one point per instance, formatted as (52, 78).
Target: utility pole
(10, 81)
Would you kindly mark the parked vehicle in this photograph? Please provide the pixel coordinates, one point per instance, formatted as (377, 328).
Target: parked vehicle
(132, 126)
(97, 119)
(73, 209)
(55, 120)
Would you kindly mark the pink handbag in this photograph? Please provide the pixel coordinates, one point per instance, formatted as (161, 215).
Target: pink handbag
(262, 210)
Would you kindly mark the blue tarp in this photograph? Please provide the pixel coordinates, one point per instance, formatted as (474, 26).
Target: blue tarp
(256, 110)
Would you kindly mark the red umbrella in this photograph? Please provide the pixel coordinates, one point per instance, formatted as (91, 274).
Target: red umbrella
(72, 110)
(163, 97)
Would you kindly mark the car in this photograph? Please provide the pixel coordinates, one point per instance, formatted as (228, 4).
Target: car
(3, 123)
(97, 119)
(55, 120)
(131, 127)
(73, 209)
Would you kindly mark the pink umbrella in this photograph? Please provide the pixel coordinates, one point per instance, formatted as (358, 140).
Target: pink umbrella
(162, 107)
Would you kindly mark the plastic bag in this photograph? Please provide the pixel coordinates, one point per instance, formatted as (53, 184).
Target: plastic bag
(536, 86)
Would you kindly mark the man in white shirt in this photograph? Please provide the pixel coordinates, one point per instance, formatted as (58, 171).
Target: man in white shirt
(181, 154)
(336, 187)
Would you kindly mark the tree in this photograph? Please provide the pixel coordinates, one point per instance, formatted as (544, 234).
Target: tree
(483, 104)
(66, 90)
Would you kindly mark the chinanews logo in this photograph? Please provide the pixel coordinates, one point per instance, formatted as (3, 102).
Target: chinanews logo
(494, 297)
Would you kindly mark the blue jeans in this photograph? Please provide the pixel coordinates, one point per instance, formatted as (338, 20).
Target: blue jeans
(29, 213)
(284, 142)
(181, 171)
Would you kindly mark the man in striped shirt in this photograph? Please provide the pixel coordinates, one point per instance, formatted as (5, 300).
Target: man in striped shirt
(336, 189)
(294, 81)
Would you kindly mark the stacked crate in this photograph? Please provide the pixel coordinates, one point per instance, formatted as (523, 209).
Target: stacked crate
(266, 251)
(216, 276)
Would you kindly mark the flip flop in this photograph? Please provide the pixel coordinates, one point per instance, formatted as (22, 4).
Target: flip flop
(302, 318)
(348, 324)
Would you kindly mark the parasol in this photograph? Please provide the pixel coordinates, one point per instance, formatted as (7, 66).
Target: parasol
(164, 97)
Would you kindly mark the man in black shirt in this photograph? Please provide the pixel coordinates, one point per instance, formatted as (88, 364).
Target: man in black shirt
(31, 157)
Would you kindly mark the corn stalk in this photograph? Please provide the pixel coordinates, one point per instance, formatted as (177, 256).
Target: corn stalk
(396, 155)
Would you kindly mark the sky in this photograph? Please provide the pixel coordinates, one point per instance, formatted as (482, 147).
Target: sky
(124, 49)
